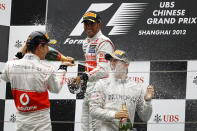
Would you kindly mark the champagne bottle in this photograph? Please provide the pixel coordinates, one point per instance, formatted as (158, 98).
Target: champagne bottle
(125, 123)
(54, 55)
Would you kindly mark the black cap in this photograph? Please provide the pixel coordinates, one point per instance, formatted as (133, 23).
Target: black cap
(39, 37)
(119, 55)
(91, 16)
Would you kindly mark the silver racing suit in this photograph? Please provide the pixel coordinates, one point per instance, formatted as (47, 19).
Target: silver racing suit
(109, 95)
(30, 80)
(97, 68)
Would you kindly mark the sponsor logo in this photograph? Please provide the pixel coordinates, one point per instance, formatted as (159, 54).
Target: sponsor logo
(103, 60)
(157, 118)
(90, 57)
(26, 66)
(28, 108)
(137, 79)
(89, 14)
(18, 44)
(171, 118)
(101, 55)
(13, 118)
(195, 80)
(98, 7)
(119, 52)
(125, 17)
(92, 49)
(122, 20)
(2, 6)
(24, 99)
(119, 97)
(73, 41)
(166, 118)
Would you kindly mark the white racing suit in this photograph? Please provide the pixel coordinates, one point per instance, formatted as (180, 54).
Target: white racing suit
(109, 95)
(97, 67)
(30, 80)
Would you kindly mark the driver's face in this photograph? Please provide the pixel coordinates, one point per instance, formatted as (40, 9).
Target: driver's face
(91, 28)
(120, 68)
(118, 64)
(44, 50)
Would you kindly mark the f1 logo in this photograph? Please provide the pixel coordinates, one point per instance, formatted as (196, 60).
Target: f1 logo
(122, 20)
(98, 7)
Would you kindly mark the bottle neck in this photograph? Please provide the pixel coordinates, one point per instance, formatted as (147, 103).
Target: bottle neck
(124, 107)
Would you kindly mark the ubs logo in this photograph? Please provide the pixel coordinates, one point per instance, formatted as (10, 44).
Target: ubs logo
(13, 118)
(195, 80)
(157, 118)
(137, 79)
(166, 118)
(24, 99)
(18, 44)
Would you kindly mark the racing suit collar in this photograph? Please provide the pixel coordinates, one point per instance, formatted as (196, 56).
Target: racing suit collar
(30, 56)
(96, 36)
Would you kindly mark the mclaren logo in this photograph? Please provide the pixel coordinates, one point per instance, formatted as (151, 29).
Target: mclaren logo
(122, 20)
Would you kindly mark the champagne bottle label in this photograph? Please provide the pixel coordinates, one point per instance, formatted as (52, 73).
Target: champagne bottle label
(125, 123)
(52, 54)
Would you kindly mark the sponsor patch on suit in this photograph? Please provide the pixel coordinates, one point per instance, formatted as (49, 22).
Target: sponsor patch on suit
(92, 49)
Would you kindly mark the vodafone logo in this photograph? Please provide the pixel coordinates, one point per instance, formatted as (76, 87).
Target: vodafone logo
(24, 99)
(2, 6)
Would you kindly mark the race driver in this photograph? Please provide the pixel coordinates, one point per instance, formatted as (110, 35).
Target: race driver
(95, 46)
(30, 80)
(111, 93)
